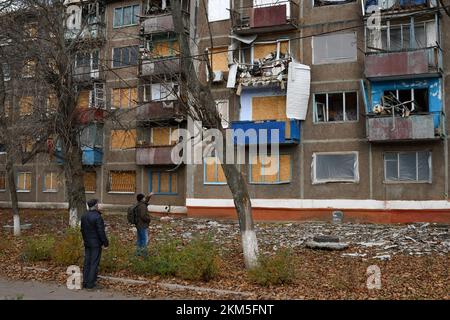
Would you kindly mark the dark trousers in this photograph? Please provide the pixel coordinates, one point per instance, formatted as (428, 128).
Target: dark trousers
(92, 257)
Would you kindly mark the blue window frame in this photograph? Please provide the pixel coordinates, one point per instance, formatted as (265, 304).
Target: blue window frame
(163, 182)
(126, 16)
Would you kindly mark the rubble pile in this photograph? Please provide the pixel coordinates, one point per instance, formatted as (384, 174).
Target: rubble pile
(265, 71)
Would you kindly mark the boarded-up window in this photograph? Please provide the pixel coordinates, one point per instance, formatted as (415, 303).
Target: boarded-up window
(163, 136)
(218, 10)
(29, 69)
(25, 106)
(52, 103)
(167, 48)
(90, 181)
(83, 99)
(163, 182)
(269, 108)
(124, 98)
(122, 181)
(278, 49)
(407, 166)
(23, 181)
(334, 48)
(213, 172)
(335, 167)
(50, 182)
(123, 139)
(219, 60)
(271, 169)
(2, 180)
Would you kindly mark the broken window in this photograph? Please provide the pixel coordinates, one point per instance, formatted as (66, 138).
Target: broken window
(90, 181)
(331, 107)
(223, 109)
(2, 180)
(50, 182)
(166, 91)
(334, 48)
(271, 169)
(125, 56)
(407, 166)
(413, 99)
(23, 182)
(123, 139)
(122, 181)
(321, 3)
(335, 167)
(163, 136)
(271, 51)
(97, 96)
(124, 98)
(163, 182)
(213, 172)
(126, 16)
(92, 136)
(218, 10)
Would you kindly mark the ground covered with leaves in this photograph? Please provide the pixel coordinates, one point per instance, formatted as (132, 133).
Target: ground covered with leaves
(414, 259)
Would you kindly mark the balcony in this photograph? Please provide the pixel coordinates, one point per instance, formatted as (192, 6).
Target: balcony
(159, 110)
(92, 156)
(89, 115)
(158, 24)
(280, 16)
(92, 32)
(396, 5)
(160, 67)
(85, 74)
(417, 127)
(261, 131)
(420, 62)
(154, 155)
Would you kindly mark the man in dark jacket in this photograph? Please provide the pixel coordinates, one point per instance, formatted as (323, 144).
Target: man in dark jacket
(142, 223)
(94, 237)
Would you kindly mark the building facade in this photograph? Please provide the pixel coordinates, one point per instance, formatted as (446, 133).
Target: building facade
(357, 90)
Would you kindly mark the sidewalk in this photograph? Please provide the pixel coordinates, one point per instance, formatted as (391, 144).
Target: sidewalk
(34, 290)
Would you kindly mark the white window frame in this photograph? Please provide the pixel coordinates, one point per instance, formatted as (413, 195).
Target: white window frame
(430, 167)
(314, 167)
(53, 188)
(172, 96)
(337, 59)
(27, 174)
(252, 59)
(224, 14)
(315, 114)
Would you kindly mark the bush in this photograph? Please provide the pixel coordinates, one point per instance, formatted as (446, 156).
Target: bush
(38, 249)
(116, 257)
(5, 245)
(199, 260)
(68, 250)
(276, 269)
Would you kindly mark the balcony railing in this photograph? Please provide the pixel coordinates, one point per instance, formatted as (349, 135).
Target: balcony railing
(252, 132)
(148, 155)
(279, 16)
(159, 110)
(85, 74)
(89, 115)
(92, 156)
(414, 62)
(417, 127)
(160, 66)
(397, 4)
(162, 22)
(91, 32)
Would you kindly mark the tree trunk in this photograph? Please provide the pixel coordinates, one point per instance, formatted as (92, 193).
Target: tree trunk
(13, 192)
(73, 172)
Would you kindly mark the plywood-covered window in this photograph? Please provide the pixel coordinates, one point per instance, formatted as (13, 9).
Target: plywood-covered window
(90, 181)
(26, 105)
(122, 181)
(163, 182)
(269, 108)
(83, 99)
(279, 49)
(218, 58)
(164, 48)
(23, 182)
(123, 139)
(2, 180)
(213, 172)
(124, 98)
(50, 182)
(271, 169)
(163, 136)
(52, 102)
(29, 68)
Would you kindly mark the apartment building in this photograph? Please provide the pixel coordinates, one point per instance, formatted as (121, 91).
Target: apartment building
(359, 107)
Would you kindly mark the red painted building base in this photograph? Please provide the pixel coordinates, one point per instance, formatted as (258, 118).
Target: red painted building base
(350, 215)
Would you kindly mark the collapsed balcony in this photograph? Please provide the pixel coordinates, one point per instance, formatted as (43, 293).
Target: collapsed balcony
(260, 18)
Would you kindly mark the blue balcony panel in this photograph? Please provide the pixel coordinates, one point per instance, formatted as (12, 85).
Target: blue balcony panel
(91, 156)
(288, 131)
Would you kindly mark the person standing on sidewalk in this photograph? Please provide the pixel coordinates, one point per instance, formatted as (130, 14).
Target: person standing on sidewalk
(94, 238)
(142, 223)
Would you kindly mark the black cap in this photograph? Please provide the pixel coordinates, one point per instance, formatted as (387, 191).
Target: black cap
(91, 203)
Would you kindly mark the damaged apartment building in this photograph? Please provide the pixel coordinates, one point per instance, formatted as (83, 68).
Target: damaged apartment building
(355, 90)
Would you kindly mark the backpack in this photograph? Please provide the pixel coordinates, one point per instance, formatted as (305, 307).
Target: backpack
(132, 214)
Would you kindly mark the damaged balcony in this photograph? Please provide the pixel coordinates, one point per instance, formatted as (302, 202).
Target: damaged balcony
(397, 5)
(160, 66)
(272, 17)
(420, 62)
(159, 111)
(416, 127)
(261, 131)
(153, 155)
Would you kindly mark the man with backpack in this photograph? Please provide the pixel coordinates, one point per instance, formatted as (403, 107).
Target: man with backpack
(138, 215)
